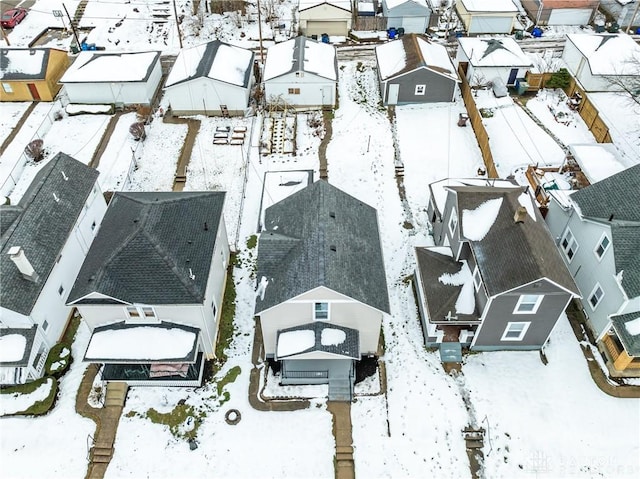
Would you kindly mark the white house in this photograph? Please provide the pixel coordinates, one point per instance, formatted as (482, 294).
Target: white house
(123, 78)
(411, 15)
(152, 285)
(332, 17)
(598, 233)
(487, 16)
(486, 59)
(322, 290)
(595, 59)
(44, 239)
(211, 79)
(301, 72)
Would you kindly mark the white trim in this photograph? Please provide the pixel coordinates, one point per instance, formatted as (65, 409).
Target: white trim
(314, 311)
(420, 90)
(572, 245)
(483, 316)
(522, 333)
(453, 218)
(599, 244)
(142, 316)
(542, 278)
(476, 272)
(521, 300)
(592, 293)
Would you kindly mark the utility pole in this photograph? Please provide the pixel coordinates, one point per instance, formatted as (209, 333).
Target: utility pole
(260, 33)
(73, 27)
(175, 14)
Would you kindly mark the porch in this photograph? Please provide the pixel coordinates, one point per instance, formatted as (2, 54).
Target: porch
(156, 374)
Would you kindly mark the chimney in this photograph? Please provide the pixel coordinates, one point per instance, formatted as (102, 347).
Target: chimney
(16, 253)
(520, 215)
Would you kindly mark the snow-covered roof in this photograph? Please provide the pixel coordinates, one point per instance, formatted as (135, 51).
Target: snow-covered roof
(343, 4)
(494, 52)
(319, 336)
(489, 5)
(394, 3)
(24, 63)
(16, 345)
(597, 160)
(301, 54)
(411, 52)
(127, 343)
(215, 60)
(627, 326)
(608, 54)
(439, 189)
(111, 67)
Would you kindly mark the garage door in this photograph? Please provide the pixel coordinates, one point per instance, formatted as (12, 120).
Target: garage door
(414, 24)
(490, 25)
(330, 28)
(570, 16)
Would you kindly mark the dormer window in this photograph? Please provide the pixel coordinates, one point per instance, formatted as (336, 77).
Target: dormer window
(453, 221)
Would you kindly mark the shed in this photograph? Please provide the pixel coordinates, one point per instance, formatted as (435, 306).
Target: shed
(210, 79)
(331, 17)
(487, 16)
(593, 59)
(301, 72)
(124, 78)
(485, 59)
(561, 12)
(414, 70)
(31, 74)
(412, 15)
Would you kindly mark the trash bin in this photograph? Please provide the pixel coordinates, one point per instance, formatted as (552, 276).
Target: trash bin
(400, 31)
(391, 33)
(536, 32)
(521, 86)
(519, 34)
(325, 38)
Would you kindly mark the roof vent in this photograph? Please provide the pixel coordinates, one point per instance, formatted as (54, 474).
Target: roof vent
(206, 226)
(520, 215)
(64, 176)
(16, 253)
(611, 217)
(56, 198)
(332, 214)
(191, 275)
(333, 247)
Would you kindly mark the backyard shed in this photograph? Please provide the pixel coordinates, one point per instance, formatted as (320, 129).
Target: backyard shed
(561, 12)
(411, 15)
(414, 70)
(125, 78)
(331, 17)
(487, 16)
(211, 79)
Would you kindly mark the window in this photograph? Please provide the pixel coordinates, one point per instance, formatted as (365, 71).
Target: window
(569, 245)
(420, 89)
(453, 221)
(93, 226)
(596, 296)
(213, 307)
(61, 290)
(148, 312)
(294, 91)
(141, 313)
(45, 325)
(321, 311)
(602, 247)
(58, 258)
(133, 312)
(477, 280)
(7, 88)
(528, 304)
(515, 331)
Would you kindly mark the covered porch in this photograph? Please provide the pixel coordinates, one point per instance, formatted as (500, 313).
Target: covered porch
(16, 345)
(621, 346)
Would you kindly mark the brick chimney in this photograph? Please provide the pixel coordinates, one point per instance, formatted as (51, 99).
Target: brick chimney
(520, 215)
(16, 253)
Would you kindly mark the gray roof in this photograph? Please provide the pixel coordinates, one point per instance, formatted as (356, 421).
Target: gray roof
(350, 347)
(296, 252)
(152, 248)
(29, 334)
(298, 57)
(440, 298)
(614, 201)
(15, 63)
(41, 226)
(631, 342)
(512, 254)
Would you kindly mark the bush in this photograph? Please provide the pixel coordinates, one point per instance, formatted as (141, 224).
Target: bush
(559, 79)
(58, 360)
(39, 407)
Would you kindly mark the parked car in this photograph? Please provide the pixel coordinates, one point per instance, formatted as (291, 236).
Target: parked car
(12, 17)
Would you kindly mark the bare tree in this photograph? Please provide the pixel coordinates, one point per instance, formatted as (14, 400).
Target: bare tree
(35, 150)
(627, 82)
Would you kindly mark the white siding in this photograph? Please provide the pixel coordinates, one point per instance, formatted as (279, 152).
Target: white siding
(206, 95)
(311, 89)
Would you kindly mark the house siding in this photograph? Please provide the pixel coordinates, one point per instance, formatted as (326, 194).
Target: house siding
(311, 90)
(47, 87)
(418, 16)
(338, 17)
(437, 87)
(486, 22)
(336, 369)
(203, 96)
(579, 67)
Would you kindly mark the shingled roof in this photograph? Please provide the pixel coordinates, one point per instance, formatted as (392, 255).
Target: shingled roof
(24, 63)
(614, 201)
(512, 254)
(152, 248)
(41, 223)
(321, 236)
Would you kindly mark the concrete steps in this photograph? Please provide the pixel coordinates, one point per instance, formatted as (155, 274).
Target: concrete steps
(101, 454)
(340, 390)
(116, 394)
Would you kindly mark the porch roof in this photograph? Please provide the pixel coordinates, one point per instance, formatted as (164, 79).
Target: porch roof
(15, 346)
(318, 336)
(627, 327)
(122, 343)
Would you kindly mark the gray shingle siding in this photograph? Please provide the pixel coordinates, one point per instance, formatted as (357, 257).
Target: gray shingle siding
(42, 227)
(149, 246)
(307, 260)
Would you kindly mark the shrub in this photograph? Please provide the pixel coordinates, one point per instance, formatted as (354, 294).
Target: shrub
(559, 79)
(58, 360)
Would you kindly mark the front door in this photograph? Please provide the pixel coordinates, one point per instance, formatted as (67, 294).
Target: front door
(512, 76)
(394, 90)
(327, 97)
(34, 91)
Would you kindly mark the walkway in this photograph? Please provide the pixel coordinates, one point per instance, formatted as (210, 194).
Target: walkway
(341, 411)
(193, 127)
(104, 141)
(7, 141)
(327, 116)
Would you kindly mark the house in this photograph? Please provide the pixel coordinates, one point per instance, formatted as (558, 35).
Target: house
(152, 285)
(598, 234)
(414, 70)
(561, 12)
(597, 60)
(31, 74)
(123, 78)
(302, 73)
(494, 279)
(412, 15)
(318, 17)
(44, 238)
(486, 59)
(487, 16)
(322, 290)
(210, 79)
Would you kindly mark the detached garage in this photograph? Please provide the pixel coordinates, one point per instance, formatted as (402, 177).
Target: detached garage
(487, 16)
(320, 16)
(412, 15)
(561, 12)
